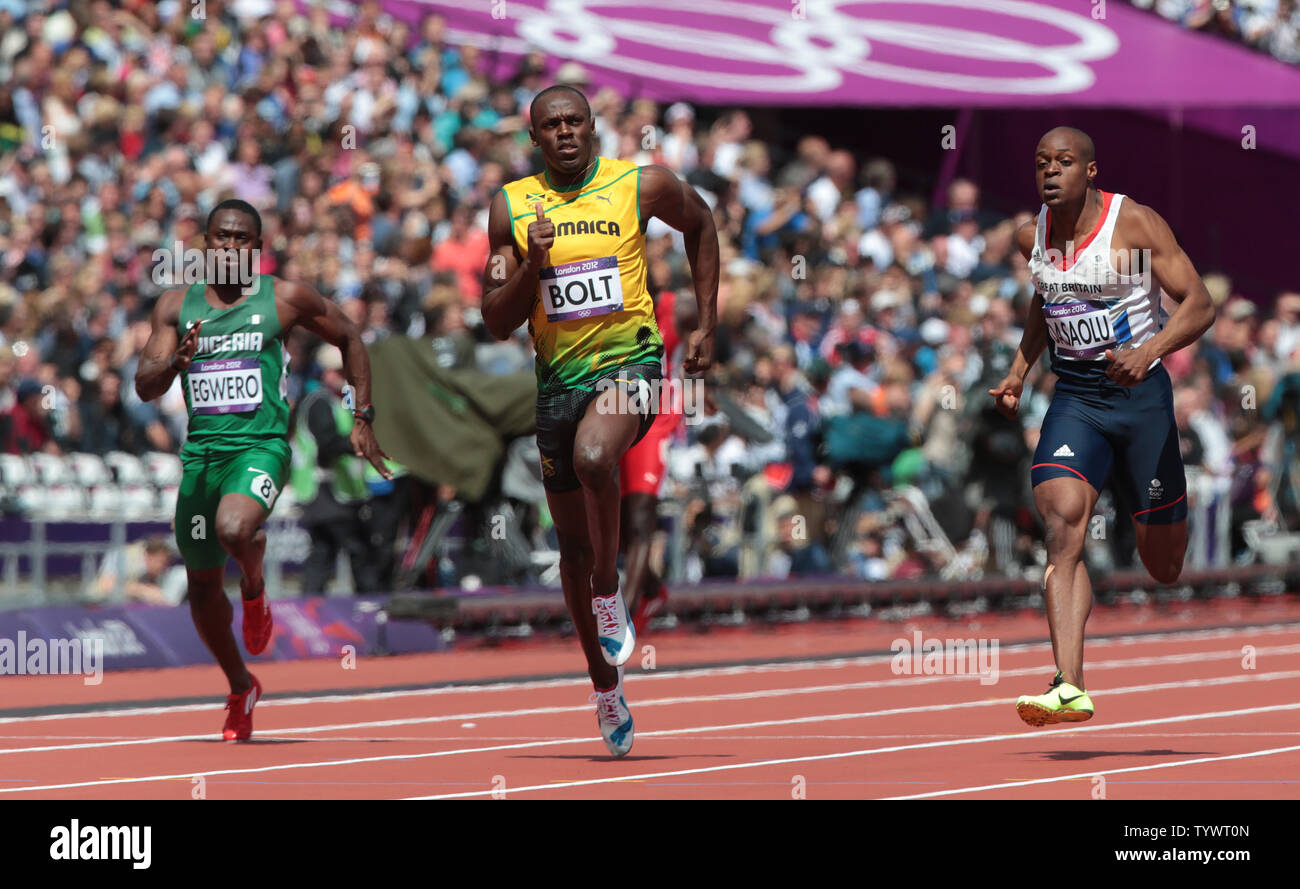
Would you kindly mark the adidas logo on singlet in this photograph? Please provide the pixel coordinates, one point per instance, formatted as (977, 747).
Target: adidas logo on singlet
(1064, 451)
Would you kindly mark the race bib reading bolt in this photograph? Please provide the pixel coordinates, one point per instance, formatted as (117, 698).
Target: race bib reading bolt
(583, 289)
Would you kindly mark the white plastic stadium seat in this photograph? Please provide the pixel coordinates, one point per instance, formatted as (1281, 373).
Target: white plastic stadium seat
(285, 502)
(127, 467)
(53, 470)
(63, 502)
(138, 501)
(164, 469)
(90, 470)
(105, 501)
(167, 499)
(31, 499)
(15, 471)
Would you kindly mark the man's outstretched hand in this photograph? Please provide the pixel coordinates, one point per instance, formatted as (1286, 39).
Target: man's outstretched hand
(364, 444)
(1006, 396)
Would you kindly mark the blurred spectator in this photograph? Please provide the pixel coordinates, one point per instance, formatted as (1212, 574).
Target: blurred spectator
(1272, 26)
(107, 425)
(464, 251)
(329, 481)
(963, 207)
(29, 428)
(147, 571)
(679, 149)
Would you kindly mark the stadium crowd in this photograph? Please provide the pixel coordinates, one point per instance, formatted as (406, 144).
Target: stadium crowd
(859, 327)
(1271, 26)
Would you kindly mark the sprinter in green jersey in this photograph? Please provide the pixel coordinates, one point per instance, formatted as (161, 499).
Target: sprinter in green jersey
(224, 336)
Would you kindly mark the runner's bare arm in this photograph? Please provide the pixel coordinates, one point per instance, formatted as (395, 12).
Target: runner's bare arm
(510, 282)
(665, 196)
(163, 356)
(1176, 275)
(1032, 342)
(325, 319)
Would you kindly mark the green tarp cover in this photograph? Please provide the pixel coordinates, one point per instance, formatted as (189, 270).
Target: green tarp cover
(447, 426)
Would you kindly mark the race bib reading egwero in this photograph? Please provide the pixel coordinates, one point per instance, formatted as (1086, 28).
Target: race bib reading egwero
(581, 289)
(227, 386)
(1081, 330)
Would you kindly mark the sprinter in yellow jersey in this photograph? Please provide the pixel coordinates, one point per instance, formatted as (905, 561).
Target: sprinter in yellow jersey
(568, 257)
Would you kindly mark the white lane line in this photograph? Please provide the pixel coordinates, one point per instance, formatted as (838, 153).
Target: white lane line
(733, 696)
(1085, 775)
(1187, 657)
(740, 669)
(711, 672)
(869, 752)
(800, 720)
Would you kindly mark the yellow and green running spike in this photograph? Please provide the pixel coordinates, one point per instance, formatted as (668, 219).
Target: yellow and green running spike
(1062, 703)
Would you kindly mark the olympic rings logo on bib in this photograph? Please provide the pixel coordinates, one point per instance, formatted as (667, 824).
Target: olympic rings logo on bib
(1081, 330)
(584, 289)
(227, 386)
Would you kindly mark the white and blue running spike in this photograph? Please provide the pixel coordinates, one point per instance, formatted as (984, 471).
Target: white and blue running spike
(614, 719)
(614, 628)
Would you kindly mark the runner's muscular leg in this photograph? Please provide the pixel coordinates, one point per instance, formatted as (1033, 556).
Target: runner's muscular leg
(601, 440)
(1162, 548)
(212, 616)
(637, 527)
(239, 528)
(1066, 505)
(569, 512)
(1155, 455)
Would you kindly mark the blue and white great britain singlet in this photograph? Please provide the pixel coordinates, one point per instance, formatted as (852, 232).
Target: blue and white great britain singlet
(1088, 305)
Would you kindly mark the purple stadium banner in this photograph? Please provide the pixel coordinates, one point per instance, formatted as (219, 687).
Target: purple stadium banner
(969, 53)
(147, 636)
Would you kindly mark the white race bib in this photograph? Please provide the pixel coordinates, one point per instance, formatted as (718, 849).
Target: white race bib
(1082, 331)
(583, 289)
(226, 386)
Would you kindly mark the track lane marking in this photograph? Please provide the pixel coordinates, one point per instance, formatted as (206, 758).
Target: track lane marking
(709, 699)
(1085, 775)
(1172, 636)
(835, 717)
(984, 739)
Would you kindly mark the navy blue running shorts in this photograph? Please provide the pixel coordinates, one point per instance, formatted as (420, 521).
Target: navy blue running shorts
(1092, 430)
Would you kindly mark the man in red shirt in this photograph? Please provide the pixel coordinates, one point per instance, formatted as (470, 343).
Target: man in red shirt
(642, 468)
(465, 252)
(29, 429)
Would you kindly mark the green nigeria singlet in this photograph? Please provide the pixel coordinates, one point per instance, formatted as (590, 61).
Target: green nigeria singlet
(236, 388)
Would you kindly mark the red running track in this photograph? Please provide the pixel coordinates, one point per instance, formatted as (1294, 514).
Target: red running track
(1198, 700)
